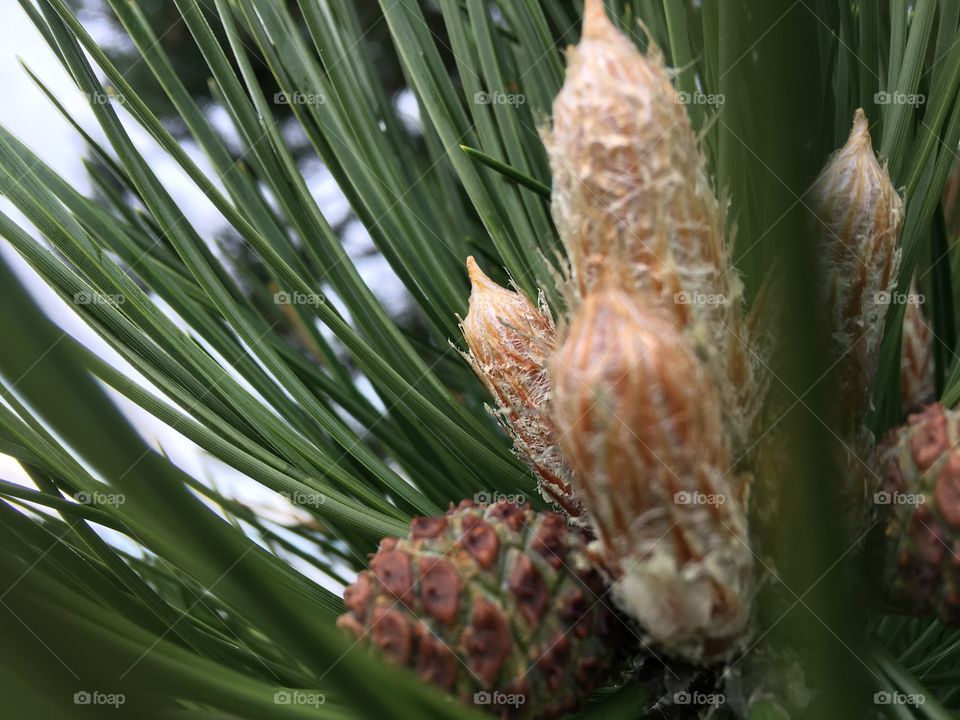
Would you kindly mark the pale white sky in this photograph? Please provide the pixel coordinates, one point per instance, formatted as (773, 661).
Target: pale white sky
(29, 115)
(26, 112)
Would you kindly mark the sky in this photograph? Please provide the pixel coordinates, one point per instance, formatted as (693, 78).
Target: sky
(29, 115)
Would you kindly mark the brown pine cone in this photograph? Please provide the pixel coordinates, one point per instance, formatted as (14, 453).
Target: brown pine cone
(497, 604)
(920, 501)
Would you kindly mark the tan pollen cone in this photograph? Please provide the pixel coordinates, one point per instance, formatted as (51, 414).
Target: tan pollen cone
(510, 340)
(859, 215)
(632, 192)
(639, 420)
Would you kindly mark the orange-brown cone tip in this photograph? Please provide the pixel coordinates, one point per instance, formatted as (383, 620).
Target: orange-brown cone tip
(596, 22)
(478, 278)
(860, 132)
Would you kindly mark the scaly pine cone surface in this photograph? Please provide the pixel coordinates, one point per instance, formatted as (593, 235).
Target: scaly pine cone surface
(497, 604)
(919, 497)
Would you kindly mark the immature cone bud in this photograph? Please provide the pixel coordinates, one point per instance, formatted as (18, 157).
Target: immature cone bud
(916, 358)
(919, 501)
(631, 193)
(860, 215)
(629, 182)
(510, 341)
(639, 421)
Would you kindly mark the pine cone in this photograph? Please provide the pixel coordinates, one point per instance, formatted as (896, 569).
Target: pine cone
(632, 199)
(919, 498)
(498, 604)
(859, 219)
(639, 421)
(510, 340)
(629, 181)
